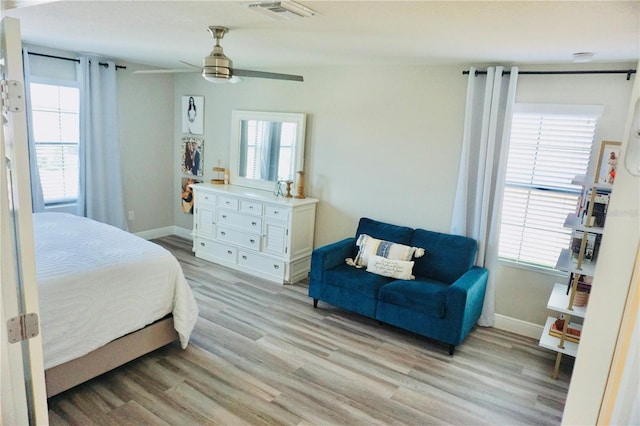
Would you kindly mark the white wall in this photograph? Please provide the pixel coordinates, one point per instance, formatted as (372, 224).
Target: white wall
(145, 121)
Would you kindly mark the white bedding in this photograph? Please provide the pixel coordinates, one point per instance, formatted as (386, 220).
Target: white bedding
(97, 283)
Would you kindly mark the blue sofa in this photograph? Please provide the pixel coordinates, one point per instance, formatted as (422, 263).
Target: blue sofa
(443, 302)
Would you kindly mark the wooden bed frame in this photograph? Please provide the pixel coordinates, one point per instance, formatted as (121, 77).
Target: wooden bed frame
(112, 355)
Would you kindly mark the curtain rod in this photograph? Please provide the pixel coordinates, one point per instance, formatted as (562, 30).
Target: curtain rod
(627, 72)
(104, 64)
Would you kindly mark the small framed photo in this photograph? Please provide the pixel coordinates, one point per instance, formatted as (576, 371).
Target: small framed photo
(193, 115)
(186, 197)
(608, 162)
(192, 152)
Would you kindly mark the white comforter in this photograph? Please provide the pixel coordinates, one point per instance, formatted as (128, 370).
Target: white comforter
(97, 283)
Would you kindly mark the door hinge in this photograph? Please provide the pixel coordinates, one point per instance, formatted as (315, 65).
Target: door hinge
(12, 96)
(22, 327)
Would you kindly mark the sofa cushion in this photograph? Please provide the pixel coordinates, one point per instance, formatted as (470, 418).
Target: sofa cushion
(355, 279)
(384, 231)
(425, 296)
(399, 269)
(447, 256)
(370, 246)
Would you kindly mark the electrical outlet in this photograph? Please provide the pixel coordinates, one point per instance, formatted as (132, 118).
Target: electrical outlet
(132, 215)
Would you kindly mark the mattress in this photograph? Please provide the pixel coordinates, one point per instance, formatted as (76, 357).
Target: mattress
(97, 283)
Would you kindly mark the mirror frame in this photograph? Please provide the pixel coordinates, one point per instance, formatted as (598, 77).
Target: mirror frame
(237, 116)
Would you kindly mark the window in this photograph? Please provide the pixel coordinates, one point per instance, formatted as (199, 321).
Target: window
(549, 146)
(56, 133)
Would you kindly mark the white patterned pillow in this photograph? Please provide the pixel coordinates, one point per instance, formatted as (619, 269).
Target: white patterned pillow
(399, 269)
(387, 249)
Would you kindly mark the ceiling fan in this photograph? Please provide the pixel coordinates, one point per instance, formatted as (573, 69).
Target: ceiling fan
(218, 68)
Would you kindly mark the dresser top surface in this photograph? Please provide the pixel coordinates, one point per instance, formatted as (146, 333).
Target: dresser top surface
(252, 194)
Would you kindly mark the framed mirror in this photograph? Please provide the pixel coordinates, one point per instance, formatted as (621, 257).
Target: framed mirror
(266, 147)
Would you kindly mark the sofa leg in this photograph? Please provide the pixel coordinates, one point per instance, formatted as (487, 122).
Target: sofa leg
(451, 349)
(315, 303)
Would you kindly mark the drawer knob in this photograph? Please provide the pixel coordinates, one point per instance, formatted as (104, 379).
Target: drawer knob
(224, 216)
(275, 212)
(229, 252)
(250, 207)
(202, 244)
(253, 223)
(252, 241)
(223, 233)
(276, 267)
(244, 257)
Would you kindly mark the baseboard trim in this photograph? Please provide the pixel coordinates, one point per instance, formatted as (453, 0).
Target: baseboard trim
(517, 326)
(164, 232)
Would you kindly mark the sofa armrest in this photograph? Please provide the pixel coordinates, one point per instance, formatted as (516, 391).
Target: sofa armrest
(465, 298)
(328, 257)
(332, 255)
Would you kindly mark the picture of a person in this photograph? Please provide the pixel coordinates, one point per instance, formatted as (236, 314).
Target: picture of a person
(187, 163)
(195, 153)
(187, 196)
(613, 167)
(191, 114)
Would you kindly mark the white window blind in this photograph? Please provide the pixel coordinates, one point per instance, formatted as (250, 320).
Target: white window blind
(56, 132)
(549, 146)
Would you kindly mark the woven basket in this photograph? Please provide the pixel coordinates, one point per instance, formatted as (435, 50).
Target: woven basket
(581, 298)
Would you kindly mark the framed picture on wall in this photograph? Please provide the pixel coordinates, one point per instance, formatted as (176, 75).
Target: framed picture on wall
(186, 197)
(193, 114)
(192, 153)
(608, 162)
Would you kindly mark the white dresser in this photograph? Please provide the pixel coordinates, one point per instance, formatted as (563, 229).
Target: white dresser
(254, 231)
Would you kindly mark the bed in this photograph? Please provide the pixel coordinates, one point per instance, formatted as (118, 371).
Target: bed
(106, 297)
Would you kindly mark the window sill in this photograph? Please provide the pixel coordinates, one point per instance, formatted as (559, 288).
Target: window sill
(533, 268)
(61, 208)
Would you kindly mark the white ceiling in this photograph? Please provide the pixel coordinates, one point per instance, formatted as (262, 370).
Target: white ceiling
(379, 33)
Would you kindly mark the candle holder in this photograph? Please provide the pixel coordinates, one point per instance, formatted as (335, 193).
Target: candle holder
(288, 194)
(300, 186)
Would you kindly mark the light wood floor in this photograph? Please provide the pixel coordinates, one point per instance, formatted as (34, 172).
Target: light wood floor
(260, 354)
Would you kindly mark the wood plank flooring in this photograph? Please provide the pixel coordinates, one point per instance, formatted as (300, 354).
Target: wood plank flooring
(261, 355)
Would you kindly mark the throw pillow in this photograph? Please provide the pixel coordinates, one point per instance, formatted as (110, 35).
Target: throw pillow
(387, 249)
(399, 269)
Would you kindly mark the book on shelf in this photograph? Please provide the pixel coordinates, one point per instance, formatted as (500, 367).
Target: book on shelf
(573, 330)
(599, 211)
(591, 249)
(584, 282)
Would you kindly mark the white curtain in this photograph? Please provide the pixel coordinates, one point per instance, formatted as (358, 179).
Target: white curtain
(478, 202)
(37, 197)
(100, 195)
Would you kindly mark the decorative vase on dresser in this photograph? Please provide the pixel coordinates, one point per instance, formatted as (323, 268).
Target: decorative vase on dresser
(254, 231)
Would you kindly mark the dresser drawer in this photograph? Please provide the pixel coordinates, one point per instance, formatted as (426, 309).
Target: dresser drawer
(276, 212)
(238, 220)
(217, 250)
(205, 199)
(251, 207)
(228, 202)
(263, 264)
(244, 239)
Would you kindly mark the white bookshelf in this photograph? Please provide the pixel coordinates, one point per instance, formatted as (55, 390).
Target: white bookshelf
(551, 342)
(559, 302)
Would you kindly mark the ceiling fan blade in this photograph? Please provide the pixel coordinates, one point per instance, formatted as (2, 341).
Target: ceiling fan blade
(263, 74)
(191, 65)
(165, 71)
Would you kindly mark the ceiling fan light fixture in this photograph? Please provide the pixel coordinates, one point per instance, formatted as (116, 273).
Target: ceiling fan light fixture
(285, 9)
